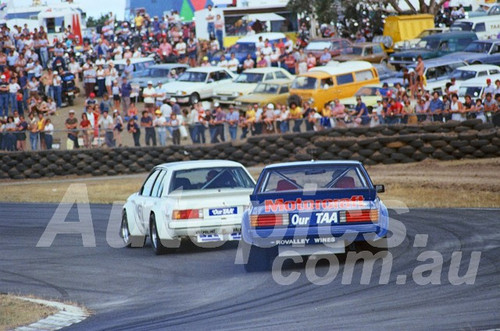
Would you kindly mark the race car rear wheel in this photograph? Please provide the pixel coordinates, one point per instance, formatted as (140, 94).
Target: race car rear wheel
(128, 239)
(374, 247)
(158, 247)
(260, 259)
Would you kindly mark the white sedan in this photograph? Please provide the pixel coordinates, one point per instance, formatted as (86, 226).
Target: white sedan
(247, 81)
(199, 200)
(198, 83)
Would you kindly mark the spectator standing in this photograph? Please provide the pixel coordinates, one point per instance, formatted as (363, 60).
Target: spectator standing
(219, 120)
(115, 90)
(75, 69)
(49, 132)
(106, 125)
(149, 94)
(101, 80)
(87, 131)
(117, 128)
(283, 118)
(174, 124)
(210, 18)
(40, 128)
(21, 127)
(72, 127)
(296, 116)
(233, 63)
(249, 63)
(33, 127)
(420, 69)
(490, 88)
(134, 129)
(176, 109)
(308, 110)
(126, 91)
(105, 104)
(219, 30)
(436, 107)
(4, 97)
(110, 75)
(361, 112)
(160, 124)
(147, 124)
(14, 88)
(325, 57)
(311, 61)
(232, 121)
(89, 78)
(456, 109)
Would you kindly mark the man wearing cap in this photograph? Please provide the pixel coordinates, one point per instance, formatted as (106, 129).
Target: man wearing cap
(149, 94)
(204, 62)
(176, 109)
(232, 119)
(160, 124)
(490, 88)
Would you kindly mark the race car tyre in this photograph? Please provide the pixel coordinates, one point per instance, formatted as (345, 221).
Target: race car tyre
(129, 240)
(373, 247)
(259, 259)
(194, 98)
(156, 243)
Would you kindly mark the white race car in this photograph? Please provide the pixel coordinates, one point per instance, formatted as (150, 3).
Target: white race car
(200, 200)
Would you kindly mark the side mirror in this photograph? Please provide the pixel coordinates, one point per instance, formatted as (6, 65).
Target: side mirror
(380, 188)
(210, 80)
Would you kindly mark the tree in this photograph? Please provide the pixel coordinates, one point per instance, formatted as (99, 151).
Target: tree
(92, 22)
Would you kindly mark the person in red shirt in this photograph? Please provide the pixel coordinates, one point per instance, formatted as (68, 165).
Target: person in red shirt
(392, 115)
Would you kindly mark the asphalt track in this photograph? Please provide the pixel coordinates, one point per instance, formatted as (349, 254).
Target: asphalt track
(205, 289)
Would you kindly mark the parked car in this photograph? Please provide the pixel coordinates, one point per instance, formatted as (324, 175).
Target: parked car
(156, 73)
(334, 45)
(247, 45)
(485, 27)
(197, 84)
(320, 85)
(404, 45)
(139, 64)
(475, 87)
(437, 73)
(494, 9)
(462, 74)
(199, 200)
(370, 52)
(276, 91)
(433, 46)
(479, 51)
(247, 81)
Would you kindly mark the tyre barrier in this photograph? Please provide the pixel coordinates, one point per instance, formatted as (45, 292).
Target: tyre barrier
(378, 145)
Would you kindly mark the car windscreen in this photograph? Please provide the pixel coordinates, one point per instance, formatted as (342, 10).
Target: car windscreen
(430, 44)
(461, 26)
(461, 74)
(478, 47)
(247, 77)
(357, 51)
(366, 91)
(312, 177)
(193, 76)
(473, 91)
(267, 88)
(141, 73)
(243, 48)
(211, 178)
(318, 45)
(305, 83)
(157, 72)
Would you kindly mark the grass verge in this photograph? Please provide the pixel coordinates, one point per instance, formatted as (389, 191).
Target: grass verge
(431, 184)
(15, 312)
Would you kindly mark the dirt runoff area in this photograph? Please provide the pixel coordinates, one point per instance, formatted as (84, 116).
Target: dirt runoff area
(430, 183)
(15, 312)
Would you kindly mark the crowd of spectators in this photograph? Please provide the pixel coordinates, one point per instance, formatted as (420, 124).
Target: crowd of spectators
(32, 72)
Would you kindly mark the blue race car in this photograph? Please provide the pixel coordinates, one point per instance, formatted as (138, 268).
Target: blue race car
(311, 208)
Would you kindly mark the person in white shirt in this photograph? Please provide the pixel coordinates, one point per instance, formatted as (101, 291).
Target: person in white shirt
(166, 109)
(100, 61)
(180, 48)
(149, 94)
(223, 62)
(137, 53)
(13, 89)
(75, 69)
(259, 45)
(454, 87)
(160, 124)
(49, 131)
(106, 125)
(160, 94)
(118, 52)
(249, 63)
(233, 63)
(288, 45)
